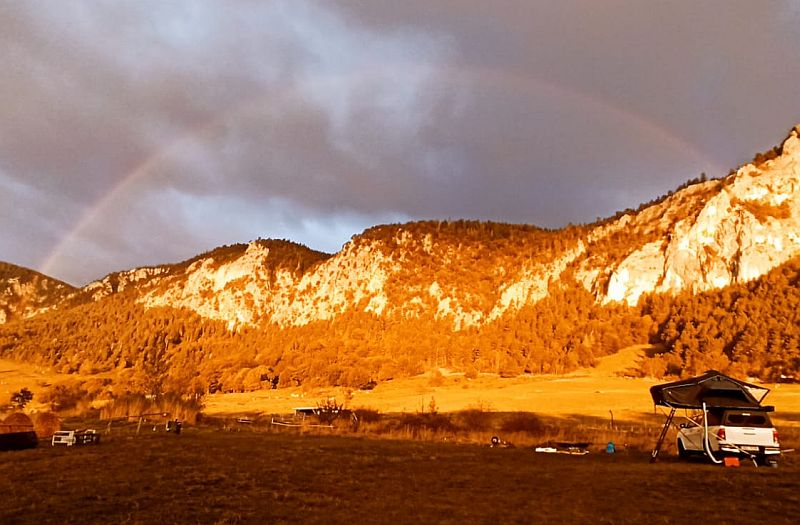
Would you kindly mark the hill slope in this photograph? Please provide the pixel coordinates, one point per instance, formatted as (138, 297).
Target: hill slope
(25, 293)
(706, 236)
(468, 295)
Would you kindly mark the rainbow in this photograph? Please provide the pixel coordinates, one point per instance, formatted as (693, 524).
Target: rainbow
(455, 78)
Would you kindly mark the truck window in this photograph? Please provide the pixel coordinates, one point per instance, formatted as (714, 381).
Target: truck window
(714, 418)
(747, 420)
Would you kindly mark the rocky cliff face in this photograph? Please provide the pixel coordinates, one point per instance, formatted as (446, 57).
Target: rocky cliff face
(731, 231)
(25, 293)
(256, 287)
(705, 236)
(258, 282)
(120, 281)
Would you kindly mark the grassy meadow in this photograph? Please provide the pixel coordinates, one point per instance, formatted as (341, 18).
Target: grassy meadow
(600, 394)
(419, 454)
(207, 475)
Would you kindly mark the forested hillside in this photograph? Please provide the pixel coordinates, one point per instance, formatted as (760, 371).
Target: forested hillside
(708, 273)
(175, 349)
(750, 330)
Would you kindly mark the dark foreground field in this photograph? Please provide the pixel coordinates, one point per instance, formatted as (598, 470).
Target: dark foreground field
(207, 476)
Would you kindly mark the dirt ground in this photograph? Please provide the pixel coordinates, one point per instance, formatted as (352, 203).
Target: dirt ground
(209, 476)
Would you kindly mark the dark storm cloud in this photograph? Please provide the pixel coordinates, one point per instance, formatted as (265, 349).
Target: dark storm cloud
(698, 68)
(143, 132)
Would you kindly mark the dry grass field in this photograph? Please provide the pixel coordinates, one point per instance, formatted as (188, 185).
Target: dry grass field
(598, 393)
(15, 376)
(419, 455)
(206, 475)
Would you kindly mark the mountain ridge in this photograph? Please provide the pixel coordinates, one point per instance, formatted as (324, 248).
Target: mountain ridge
(703, 237)
(26, 293)
(470, 295)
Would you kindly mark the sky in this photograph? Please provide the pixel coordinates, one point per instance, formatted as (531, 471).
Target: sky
(143, 132)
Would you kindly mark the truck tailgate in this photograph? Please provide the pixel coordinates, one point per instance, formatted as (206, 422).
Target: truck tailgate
(750, 436)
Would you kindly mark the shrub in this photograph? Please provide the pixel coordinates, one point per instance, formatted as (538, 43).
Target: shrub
(763, 211)
(436, 379)
(523, 422)
(427, 421)
(21, 398)
(367, 415)
(475, 419)
(329, 411)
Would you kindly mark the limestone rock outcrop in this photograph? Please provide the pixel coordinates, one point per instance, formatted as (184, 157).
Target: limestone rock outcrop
(25, 293)
(705, 236)
(744, 225)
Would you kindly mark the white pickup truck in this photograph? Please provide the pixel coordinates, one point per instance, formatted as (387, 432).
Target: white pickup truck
(743, 433)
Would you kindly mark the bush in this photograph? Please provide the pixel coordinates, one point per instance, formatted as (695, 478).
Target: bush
(429, 421)
(475, 419)
(329, 411)
(21, 398)
(523, 422)
(367, 415)
(436, 379)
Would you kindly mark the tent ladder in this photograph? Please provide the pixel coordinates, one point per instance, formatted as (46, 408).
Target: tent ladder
(662, 436)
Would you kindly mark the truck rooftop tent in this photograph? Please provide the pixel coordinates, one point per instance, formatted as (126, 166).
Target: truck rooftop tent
(713, 388)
